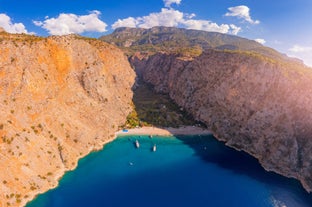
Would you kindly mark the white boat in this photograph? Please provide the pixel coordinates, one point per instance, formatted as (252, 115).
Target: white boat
(137, 144)
(154, 148)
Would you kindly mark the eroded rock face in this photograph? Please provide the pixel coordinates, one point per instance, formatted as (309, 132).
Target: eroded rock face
(250, 102)
(60, 98)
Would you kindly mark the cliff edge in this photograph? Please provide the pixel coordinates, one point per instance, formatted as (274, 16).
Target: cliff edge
(250, 96)
(60, 97)
(251, 102)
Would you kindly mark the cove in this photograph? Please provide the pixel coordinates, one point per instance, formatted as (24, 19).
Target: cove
(184, 171)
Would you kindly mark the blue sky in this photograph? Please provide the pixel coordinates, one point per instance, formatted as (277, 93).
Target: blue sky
(284, 25)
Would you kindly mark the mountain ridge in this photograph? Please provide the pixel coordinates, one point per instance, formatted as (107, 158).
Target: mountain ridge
(174, 40)
(251, 97)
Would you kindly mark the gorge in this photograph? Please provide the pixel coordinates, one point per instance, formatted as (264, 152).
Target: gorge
(250, 96)
(64, 96)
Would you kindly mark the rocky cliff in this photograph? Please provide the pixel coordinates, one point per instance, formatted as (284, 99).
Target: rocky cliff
(251, 102)
(60, 98)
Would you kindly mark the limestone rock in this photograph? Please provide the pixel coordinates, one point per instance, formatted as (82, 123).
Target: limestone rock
(60, 97)
(251, 102)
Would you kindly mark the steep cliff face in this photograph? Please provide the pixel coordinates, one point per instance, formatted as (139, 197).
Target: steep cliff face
(60, 98)
(251, 102)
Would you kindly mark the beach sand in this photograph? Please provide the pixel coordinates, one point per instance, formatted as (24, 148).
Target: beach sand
(185, 130)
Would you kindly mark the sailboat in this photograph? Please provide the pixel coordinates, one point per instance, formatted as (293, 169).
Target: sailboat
(137, 144)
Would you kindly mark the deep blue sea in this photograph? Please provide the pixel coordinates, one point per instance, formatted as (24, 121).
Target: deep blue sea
(185, 171)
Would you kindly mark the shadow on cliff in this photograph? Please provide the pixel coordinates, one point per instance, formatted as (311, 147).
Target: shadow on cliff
(159, 110)
(213, 151)
(156, 109)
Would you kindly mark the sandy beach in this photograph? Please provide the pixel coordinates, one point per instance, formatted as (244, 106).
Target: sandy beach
(185, 130)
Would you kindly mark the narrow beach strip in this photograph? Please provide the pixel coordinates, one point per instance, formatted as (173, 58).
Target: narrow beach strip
(185, 130)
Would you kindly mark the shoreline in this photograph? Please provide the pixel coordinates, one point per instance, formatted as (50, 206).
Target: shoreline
(59, 176)
(157, 131)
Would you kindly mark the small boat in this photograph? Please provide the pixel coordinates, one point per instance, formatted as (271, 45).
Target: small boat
(150, 136)
(154, 148)
(137, 144)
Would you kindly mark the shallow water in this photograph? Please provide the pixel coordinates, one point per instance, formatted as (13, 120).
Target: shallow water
(184, 171)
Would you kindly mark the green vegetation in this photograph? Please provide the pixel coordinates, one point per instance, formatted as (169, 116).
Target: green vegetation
(189, 43)
(152, 109)
(19, 39)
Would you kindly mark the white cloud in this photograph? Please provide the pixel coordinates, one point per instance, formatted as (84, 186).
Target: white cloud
(167, 17)
(72, 23)
(128, 22)
(174, 18)
(210, 26)
(234, 29)
(241, 12)
(7, 24)
(300, 49)
(261, 41)
(169, 2)
(302, 52)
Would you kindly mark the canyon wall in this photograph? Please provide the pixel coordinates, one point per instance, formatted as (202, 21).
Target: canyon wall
(60, 98)
(251, 102)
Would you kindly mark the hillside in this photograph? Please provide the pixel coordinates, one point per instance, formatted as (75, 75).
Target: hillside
(60, 97)
(251, 97)
(185, 42)
(251, 104)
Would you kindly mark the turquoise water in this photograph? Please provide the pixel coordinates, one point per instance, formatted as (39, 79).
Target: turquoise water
(185, 171)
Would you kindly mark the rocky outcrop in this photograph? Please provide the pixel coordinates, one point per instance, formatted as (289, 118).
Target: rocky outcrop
(250, 102)
(60, 98)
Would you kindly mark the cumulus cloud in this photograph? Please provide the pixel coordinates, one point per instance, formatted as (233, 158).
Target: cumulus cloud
(168, 3)
(234, 29)
(207, 25)
(7, 24)
(302, 52)
(167, 17)
(241, 12)
(72, 23)
(300, 49)
(173, 18)
(128, 22)
(261, 41)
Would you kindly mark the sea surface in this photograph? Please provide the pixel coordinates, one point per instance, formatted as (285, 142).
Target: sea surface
(184, 171)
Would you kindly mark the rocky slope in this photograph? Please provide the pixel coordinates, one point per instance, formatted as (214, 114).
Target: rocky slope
(60, 98)
(184, 42)
(252, 97)
(251, 102)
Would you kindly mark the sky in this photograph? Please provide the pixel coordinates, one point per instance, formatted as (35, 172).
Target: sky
(283, 25)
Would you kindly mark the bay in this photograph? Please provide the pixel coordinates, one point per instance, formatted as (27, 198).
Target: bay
(183, 171)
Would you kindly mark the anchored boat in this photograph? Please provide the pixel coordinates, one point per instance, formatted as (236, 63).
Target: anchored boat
(137, 144)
